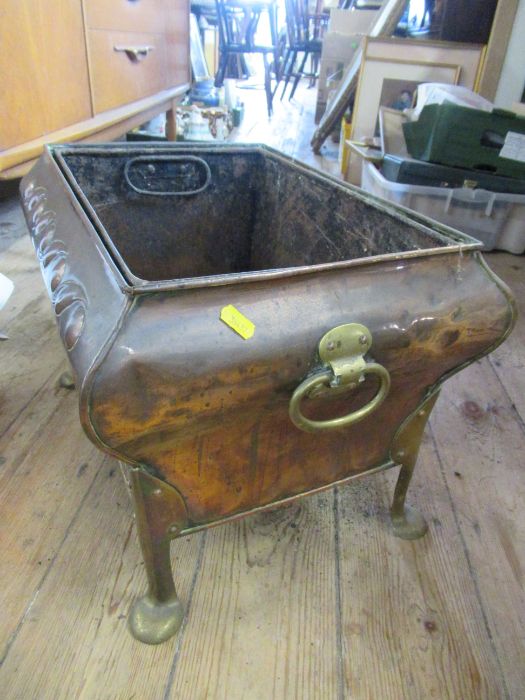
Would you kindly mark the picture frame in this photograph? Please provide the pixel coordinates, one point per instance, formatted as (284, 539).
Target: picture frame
(370, 89)
(384, 24)
(384, 79)
(198, 59)
(391, 131)
(470, 57)
(500, 34)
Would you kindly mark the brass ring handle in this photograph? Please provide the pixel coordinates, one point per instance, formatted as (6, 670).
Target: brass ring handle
(134, 53)
(325, 378)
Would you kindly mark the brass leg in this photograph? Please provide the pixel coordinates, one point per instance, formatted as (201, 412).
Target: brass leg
(160, 515)
(407, 522)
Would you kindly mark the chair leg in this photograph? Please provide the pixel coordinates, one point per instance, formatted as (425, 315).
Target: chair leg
(315, 69)
(298, 75)
(221, 70)
(243, 70)
(282, 71)
(268, 84)
(290, 71)
(408, 523)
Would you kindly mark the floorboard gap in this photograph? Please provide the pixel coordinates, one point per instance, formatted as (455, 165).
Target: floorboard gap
(518, 416)
(13, 637)
(180, 638)
(470, 566)
(339, 613)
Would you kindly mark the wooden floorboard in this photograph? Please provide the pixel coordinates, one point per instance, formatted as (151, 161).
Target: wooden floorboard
(313, 600)
(289, 129)
(263, 622)
(509, 359)
(410, 606)
(480, 443)
(41, 488)
(81, 608)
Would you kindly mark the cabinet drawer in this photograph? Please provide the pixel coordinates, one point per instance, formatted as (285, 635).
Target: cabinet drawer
(127, 15)
(126, 67)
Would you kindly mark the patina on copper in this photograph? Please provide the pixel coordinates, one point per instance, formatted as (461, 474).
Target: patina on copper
(361, 311)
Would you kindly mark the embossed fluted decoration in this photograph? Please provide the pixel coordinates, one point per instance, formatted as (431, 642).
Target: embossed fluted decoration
(66, 294)
(357, 312)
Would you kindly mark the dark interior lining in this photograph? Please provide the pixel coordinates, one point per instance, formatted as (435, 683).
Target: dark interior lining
(258, 213)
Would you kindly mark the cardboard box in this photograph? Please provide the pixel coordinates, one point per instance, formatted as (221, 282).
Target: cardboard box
(346, 30)
(338, 50)
(351, 21)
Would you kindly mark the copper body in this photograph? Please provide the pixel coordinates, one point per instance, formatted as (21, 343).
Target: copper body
(199, 415)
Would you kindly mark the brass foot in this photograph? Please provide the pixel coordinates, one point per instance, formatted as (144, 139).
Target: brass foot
(153, 622)
(409, 525)
(66, 381)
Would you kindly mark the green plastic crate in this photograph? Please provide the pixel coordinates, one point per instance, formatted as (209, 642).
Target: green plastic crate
(464, 137)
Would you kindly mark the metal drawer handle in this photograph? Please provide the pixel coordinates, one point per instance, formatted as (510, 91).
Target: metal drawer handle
(342, 350)
(152, 173)
(135, 53)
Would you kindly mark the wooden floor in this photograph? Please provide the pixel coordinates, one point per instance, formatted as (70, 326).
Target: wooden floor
(313, 600)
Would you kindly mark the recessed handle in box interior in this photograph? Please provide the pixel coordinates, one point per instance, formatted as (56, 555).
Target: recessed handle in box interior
(153, 175)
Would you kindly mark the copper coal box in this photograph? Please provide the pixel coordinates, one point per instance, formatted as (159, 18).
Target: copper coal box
(244, 330)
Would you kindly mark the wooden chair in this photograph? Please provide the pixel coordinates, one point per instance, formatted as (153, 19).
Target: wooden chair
(238, 21)
(304, 36)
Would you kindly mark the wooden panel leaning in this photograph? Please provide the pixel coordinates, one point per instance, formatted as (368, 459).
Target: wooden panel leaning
(356, 312)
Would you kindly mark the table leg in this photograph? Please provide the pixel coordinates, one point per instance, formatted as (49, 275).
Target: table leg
(171, 122)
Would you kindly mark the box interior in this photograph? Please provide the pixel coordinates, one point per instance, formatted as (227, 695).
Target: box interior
(258, 212)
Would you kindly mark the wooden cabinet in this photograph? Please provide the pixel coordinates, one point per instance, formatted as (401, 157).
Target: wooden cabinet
(45, 81)
(127, 16)
(86, 70)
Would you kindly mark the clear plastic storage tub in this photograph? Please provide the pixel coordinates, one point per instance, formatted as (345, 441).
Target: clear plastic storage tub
(496, 219)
